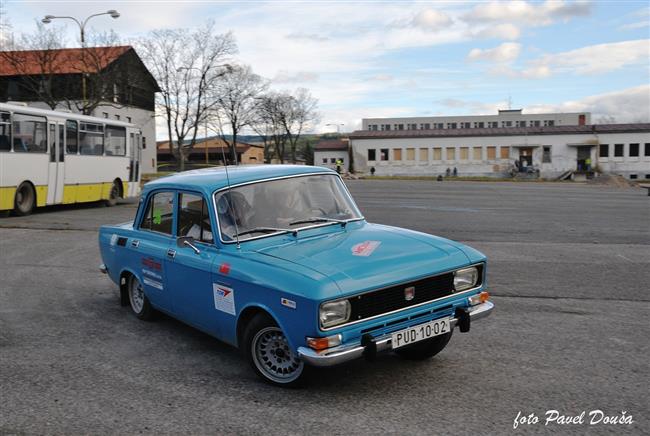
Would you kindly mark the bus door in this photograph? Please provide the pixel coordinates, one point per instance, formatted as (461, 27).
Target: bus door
(56, 165)
(134, 164)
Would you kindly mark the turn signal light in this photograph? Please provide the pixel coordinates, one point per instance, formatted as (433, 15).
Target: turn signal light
(319, 344)
(479, 298)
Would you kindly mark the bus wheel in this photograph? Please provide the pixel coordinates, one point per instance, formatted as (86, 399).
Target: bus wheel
(113, 196)
(25, 199)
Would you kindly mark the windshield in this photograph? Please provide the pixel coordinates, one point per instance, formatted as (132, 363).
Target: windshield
(283, 205)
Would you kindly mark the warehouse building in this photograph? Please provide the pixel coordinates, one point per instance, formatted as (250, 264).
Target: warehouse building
(505, 118)
(330, 151)
(544, 151)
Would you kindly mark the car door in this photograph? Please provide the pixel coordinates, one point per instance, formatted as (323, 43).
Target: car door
(155, 244)
(189, 271)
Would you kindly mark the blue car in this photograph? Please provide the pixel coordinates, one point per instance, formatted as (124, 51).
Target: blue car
(279, 261)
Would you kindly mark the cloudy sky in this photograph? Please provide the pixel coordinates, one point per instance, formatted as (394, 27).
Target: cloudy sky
(373, 59)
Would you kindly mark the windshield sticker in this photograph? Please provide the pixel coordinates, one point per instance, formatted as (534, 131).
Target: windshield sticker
(289, 303)
(224, 298)
(365, 248)
(157, 216)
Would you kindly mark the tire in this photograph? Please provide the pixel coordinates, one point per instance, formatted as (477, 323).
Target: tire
(269, 354)
(425, 349)
(25, 199)
(113, 196)
(138, 300)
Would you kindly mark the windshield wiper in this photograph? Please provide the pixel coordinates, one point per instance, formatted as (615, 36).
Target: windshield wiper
(264, 230)
(319, 220)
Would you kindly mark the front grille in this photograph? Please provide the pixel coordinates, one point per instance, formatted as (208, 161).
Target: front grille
(393, 298)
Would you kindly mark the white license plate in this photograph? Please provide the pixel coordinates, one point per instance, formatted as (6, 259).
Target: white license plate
(420, 332)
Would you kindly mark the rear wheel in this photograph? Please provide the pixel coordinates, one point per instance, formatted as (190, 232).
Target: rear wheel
(113, 195)
(25, 199)
(139, 302)
(270, 354)
(424, 349)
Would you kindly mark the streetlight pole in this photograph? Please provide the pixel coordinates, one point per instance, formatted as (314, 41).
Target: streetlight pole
(338, 127)
(82, 29)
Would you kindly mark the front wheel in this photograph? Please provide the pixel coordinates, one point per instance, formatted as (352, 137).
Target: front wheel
(269, 353)
(424, 349)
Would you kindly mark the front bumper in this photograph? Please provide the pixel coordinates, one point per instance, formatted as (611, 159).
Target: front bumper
(369, 347)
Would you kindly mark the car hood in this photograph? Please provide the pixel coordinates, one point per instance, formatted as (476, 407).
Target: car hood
(364, 256)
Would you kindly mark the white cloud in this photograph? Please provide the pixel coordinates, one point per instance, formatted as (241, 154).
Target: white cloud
(432, 19)
(506, 52)
(593, 59)
(522, 12)
(625, 106)
(284, 76)
(505, 31)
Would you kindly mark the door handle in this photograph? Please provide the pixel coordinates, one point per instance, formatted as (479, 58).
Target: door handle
(171, 253)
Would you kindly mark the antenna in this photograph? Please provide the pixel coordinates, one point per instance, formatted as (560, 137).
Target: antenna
(230, 202)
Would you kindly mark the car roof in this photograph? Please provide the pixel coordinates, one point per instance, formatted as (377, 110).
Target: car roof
(209, 180)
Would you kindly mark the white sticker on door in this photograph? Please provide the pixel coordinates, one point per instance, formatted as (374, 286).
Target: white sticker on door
(224, 298)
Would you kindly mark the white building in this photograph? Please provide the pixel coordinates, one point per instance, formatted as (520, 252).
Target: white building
(505, 118)
(553, 151)
(330, 151)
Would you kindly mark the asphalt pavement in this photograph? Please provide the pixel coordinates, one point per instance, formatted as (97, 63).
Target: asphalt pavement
(569, 269)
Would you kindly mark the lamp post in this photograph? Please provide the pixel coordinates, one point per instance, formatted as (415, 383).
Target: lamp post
(179, 69)
(82, 29)
(338, 127)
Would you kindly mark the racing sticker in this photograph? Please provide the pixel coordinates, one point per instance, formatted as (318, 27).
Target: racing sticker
(152, 279)
(365, 248)
(224, 298)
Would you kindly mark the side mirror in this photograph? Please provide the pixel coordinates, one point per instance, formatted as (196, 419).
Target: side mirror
(187, 241)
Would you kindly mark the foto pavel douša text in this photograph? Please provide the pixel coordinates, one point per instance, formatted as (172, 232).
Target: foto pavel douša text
(591, 417)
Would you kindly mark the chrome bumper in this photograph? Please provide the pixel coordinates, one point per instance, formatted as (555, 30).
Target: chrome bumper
(344, 353)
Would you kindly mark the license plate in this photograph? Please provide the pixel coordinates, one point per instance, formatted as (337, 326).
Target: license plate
(420, 332)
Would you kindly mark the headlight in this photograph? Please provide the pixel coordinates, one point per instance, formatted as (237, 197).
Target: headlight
(334, 313)
(465, 278)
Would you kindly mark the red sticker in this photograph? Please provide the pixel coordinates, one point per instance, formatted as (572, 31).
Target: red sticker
(365, 248)
(224, 268)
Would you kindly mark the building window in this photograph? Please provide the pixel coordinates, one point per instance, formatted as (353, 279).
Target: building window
(372, 154)
(465, 125)
(410, 154)
(647, 149)
(117, 117)
(493, 124)
(604, 150)
(479, 125)
(505, 153)
(506, 123)
(324, 160)
(464, 153)
(520, 124)
(411, 126)
(535, 123)
(424, 155)
(549, 123)
(634, 150)
(105, 114)
(425, 126)
(332, 160)
(618, 150)
(546, 156)
(477, 153)
(633, 177)
(452, 125)
(128, 119)
(397, 154)
(491, 153)
(384, 153)
(385, 127)
(399, 126)
(437, 153)
(439, 125)
(451, 153)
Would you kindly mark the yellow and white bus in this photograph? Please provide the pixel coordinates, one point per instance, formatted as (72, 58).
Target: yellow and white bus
(50, 157)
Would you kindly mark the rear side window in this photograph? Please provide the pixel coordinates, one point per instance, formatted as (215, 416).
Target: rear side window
(193, 218)
(159, 213)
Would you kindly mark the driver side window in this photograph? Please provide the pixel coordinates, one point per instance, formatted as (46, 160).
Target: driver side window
(194, 218)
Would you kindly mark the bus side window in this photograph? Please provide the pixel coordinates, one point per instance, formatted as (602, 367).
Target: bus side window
(71, 137)
(5, 132)
(30, 133)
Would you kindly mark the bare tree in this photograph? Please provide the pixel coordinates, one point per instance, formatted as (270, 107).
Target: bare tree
(5, 30)
(187, 65)
(269, 124)
(300, 115)
(236, 99)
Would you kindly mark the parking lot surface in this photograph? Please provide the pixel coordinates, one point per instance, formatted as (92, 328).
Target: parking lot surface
(569, 268)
